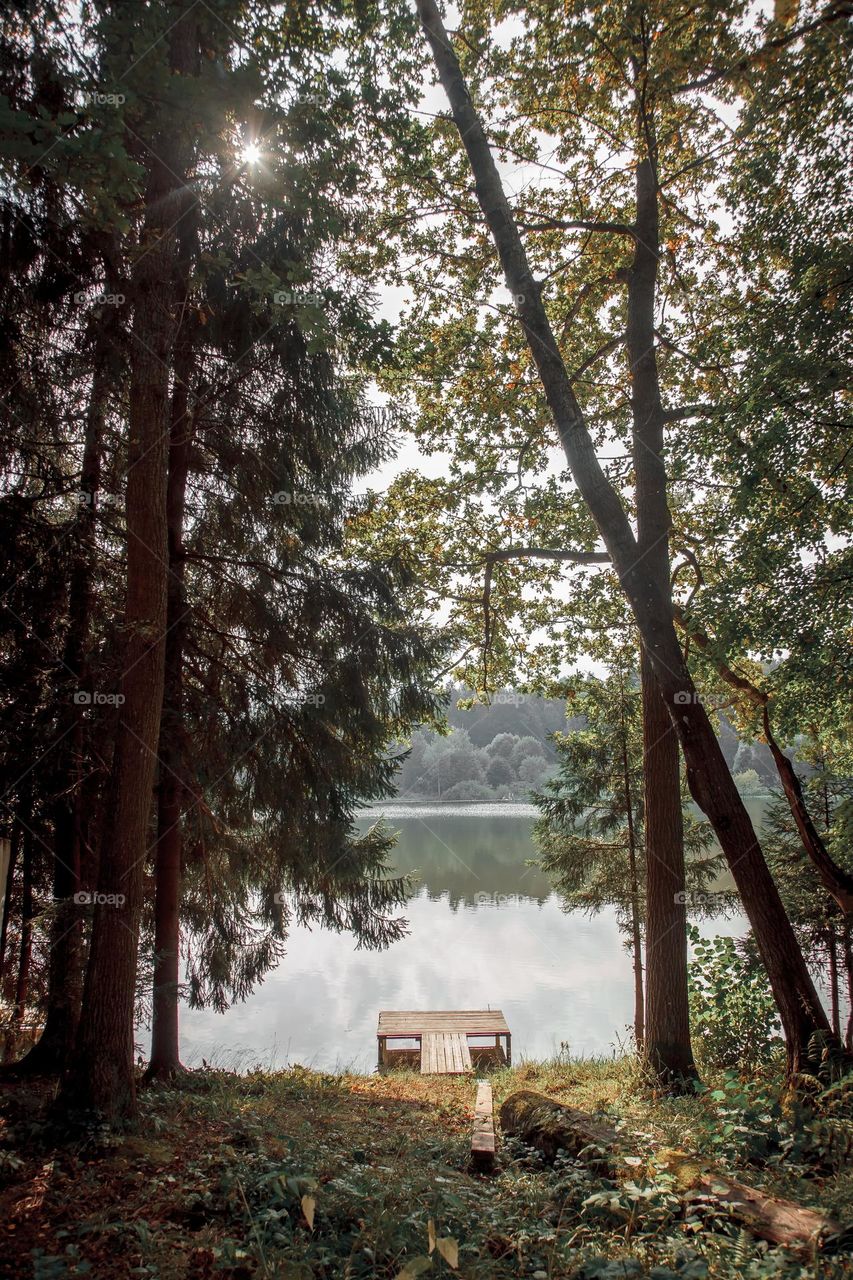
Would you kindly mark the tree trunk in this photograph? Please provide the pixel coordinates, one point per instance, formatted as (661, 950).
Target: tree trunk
(668, 1049)
(551, 1127)
(835, 1011)
(25, 951)
(52, 1052)
(165, 1049)
(708, 776)
(636, 936)
(7, 898)
(836, 881)
(847, 945)
(102, 1078)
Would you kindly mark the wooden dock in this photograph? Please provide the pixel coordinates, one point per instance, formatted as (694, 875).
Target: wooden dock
(443, 1039)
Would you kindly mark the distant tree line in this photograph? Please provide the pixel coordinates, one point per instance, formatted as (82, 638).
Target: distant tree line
(504, 749)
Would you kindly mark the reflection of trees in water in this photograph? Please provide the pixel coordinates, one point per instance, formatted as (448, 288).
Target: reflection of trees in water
(462, 857)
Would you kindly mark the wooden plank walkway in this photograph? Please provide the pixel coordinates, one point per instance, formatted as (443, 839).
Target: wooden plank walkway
(444, 1053)
(442, 1037)
(483, 1139)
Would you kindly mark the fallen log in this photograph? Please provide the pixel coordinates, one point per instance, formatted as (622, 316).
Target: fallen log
(551, 1127)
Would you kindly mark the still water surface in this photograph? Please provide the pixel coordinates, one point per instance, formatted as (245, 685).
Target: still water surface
(486, 930)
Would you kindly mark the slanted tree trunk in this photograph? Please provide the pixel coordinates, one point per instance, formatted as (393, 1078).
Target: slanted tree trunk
(836, 881)
(102, 1078)
(709, 779)
(668, 1050)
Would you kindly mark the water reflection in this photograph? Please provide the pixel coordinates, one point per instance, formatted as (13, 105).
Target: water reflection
(485, 931)
(469, 854)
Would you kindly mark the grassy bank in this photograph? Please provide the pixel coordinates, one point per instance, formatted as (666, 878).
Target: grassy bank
(298, 1174)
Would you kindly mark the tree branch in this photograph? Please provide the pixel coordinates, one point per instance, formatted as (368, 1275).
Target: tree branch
(559, 224)
(547, 553)
(832, 13)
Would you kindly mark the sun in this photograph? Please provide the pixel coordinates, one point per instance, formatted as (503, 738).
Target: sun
(251, 153)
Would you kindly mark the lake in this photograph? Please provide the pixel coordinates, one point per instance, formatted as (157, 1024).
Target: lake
(486, 930)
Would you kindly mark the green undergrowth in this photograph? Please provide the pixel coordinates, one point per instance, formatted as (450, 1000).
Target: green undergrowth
(297, 1174)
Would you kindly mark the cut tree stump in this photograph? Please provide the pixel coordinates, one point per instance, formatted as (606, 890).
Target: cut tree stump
(551, 1127)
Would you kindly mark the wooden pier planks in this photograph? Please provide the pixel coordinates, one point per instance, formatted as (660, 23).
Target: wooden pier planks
(444, 1053)
(483, 1138)
(414, 1022)
(451, 1052)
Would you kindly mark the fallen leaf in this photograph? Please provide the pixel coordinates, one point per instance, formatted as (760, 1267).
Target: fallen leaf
(309, 1204)
(449, 1250)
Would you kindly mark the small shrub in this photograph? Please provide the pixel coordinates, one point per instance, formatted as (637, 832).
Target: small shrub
(732, 1013)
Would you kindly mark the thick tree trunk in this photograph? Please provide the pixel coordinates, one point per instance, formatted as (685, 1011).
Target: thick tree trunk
(551, 1127)
(102, 1078)
(668, 1049)
(52, 1053)
(165, 1049)
(708, 776)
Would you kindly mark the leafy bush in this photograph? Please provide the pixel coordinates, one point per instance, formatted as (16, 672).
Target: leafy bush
(733, 1017)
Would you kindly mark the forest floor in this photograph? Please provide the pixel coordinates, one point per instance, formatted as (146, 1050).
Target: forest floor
(296, 1175)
